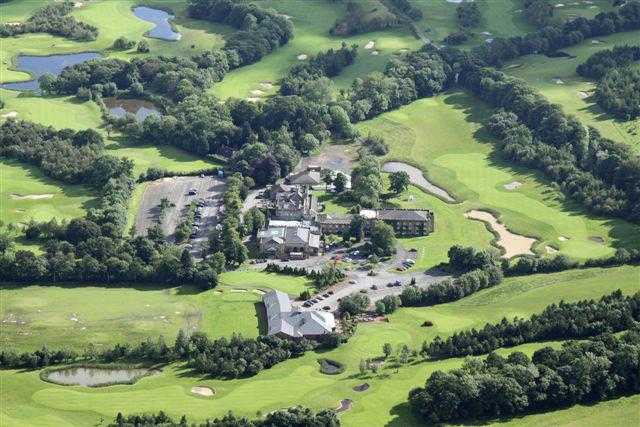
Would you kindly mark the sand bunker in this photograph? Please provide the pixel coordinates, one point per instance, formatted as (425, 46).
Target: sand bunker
(361, 387)
(253, 99)
(259, 291)
(597, 239)
(13, 24)
(563, 239)
(595, 42)
(559, 5)
(257, 92)
(486, 33)
(375, 52)
(345, 405)
(266, 85)
(302, 57)
(583, 95)
(31, 196)
(513, 244)
(239, 290)
(558, 81)
(551, 249)
(78, 4)
(370, 45)
(10, 114)
(203, 391)
(488, 41)
(513, 185)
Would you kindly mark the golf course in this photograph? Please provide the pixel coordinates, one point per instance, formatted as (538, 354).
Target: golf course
(466, 120)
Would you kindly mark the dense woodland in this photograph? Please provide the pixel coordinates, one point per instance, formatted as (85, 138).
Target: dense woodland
(581, 372)
(538, 13)
(603, 61)
(361, 18)
(619, 93)
(261, 30)
(296, 416)
(53, 19)
(582, 319)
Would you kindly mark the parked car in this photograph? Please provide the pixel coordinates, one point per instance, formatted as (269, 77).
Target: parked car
(307, 304)
(352, 282)
(326, 307)
(330, 292)
(374, 287)
(193, 192)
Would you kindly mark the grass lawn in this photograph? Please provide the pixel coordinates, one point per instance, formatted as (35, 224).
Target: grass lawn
(298, 381)
(443, 137)
(575, 94)
(26, 193)
(253, 279)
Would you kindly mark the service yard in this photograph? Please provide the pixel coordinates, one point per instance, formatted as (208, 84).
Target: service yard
(179, 192)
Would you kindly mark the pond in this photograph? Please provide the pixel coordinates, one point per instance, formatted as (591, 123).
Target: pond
(417, 178)
(162, 30)
(95, 377)
(138, 107)
(40, 65)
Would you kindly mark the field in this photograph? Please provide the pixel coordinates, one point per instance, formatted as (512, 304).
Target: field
(443, 137)
(556, 79)
(73, 316)
(299, 381)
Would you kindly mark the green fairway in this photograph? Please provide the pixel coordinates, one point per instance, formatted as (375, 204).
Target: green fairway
(73, 316)
(556, 79)
(443, 137)
(298, 381)
(25, 193)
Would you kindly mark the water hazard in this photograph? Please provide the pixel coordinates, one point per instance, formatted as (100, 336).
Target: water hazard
(93, 377)
(163, 29)
(40, 65)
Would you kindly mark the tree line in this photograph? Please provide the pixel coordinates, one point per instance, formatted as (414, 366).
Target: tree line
(552, 37)
(296, 416)
(496, 387)
(304, 77)
(261, 30)
(53, 19)
(619, 93)
(603, 61)
(612, 313)
(602, 175)
(359, 19)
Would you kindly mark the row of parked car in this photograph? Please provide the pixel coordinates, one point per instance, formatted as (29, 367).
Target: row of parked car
(197, 218)
(317, 299)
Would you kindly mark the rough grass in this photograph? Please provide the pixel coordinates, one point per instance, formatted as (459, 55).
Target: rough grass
(443, 137)
(542, 72)
(299, 381)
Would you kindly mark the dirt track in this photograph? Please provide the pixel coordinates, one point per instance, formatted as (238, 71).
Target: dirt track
(176, 190)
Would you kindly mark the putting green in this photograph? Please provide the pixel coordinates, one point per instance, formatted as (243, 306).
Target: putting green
(299, 381)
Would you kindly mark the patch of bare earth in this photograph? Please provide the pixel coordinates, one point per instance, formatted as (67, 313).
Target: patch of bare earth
(345, 405)
(513, 244)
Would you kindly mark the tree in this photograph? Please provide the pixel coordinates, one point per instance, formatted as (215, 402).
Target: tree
(387, 350)
(123, 43)
(327, 177)
(6, 243)
(363, 366)
(340, 182)
(354, 304)
(254, 220)
(143, 46)
(383, 239)
(399, 181)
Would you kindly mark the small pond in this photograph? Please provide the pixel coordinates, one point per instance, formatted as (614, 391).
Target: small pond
(138, 107)
(162, 30)
(95, 377)
(40, 65)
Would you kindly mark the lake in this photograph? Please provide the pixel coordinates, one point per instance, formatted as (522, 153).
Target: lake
(40, 65)
(138, 107)
(93, 377)
(162, 30)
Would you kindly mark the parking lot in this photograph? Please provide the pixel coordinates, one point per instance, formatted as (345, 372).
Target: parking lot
(180, 192)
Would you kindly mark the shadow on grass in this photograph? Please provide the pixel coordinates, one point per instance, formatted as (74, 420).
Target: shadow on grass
(261, 316)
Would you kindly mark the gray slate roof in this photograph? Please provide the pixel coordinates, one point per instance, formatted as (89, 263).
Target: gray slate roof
(297, 324)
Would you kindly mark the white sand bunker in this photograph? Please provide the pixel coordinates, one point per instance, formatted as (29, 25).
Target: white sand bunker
(78, 4)
(513, 244)
(257, 92)
(513, 185)
(259, 291)
(370, 44)
(583, 95)
(203, 391)
(10, 114)
(13, 24)
(560, 5)
(595, 42)
(558, 81)
(239, 290)
(253, 99)
(563, 239)
(302, 57)
(486, 33)
(31, 196)
(375, 52)
(551, 249)
(266, 85)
